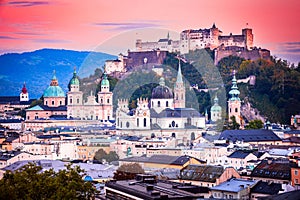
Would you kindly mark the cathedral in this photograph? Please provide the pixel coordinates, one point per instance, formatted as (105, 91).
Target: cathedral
(165, 115)
(91, 109)
(56, 104)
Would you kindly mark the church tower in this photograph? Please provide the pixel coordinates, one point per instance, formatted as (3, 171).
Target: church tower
(105, 99)
(24, 94)
(179, 90)
(216, 111)
(234, 102)
(74, 97)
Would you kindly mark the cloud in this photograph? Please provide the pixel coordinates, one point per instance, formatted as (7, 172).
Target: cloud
(3, 37)
(289, 47)
(29, 33)
(50, 41)
(121, 26)
(27, 3)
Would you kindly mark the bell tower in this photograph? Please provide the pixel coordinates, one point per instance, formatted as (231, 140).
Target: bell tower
(24, 94)
(234, 102)
(179, 90)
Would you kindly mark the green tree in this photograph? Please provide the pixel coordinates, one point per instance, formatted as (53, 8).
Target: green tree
(100, 155)
(111, 156)
(30, 182)
(255, 124)
(233, 125)
(128, 171)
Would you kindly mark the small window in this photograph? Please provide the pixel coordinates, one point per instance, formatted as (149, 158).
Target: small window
(52, 102)
(158, 104)
(77, 100)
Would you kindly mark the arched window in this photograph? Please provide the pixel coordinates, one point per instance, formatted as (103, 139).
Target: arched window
(167, 104)
(107, 100)
(152, 135)
(158, 104)
(236, 109)
(173, 135)
(189, 121)
(192, 136)
(77, 100)
(145, 122)
(137, 122)
(127, 124)
(173, 123)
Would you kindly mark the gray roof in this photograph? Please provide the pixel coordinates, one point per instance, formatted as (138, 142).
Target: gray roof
(266, 188)
(96, 171)
(205, 173)
(293, 195)
(276, 169)
(255, 135)
(234, 185)
(177, 113)
(161, 159)
(239, 154)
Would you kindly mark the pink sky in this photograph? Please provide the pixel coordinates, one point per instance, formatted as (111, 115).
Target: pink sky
(84, 25)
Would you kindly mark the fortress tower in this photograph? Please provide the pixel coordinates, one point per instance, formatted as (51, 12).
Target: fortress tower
(247, 32)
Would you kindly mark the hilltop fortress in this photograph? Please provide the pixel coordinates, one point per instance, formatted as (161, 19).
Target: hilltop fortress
(223, 45)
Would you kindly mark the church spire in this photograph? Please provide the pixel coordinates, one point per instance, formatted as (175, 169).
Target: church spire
(179, 89)
(54, 81)
(234, 92)
(179, 74)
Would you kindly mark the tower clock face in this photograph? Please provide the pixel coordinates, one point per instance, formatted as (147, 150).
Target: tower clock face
(144, 113)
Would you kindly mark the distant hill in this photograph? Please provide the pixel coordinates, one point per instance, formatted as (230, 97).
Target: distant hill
(36, 69)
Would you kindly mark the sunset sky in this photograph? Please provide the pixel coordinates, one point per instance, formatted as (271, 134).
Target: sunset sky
(86, 25)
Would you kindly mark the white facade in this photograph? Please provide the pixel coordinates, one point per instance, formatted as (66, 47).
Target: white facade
(162, 118)
(91, 109)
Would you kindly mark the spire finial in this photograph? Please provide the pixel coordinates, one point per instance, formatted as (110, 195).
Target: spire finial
(179, 74)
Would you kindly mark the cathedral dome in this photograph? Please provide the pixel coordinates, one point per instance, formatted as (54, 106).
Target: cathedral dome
(216, 107)
(54, 90)
(162, 91)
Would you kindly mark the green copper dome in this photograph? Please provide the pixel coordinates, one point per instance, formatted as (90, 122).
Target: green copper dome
(104, 81)
(234, 92)
(216, 107)
(74, 80)
(54, 90)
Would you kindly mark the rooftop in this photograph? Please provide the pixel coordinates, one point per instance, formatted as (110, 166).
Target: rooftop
(255, 135)
(150, 188)
(234, 185)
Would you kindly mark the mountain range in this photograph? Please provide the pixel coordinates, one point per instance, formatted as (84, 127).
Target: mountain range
(36, 69)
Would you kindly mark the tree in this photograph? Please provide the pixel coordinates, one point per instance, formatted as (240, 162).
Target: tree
(112, 156)
(30, 182)
(101, 155)
(233, 125)
(128, 171)
(255, 124)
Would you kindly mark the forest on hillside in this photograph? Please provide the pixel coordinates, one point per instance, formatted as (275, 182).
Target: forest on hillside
(276, 93)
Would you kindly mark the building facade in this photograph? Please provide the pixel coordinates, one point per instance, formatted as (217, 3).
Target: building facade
(164, 116)
(91, 109)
